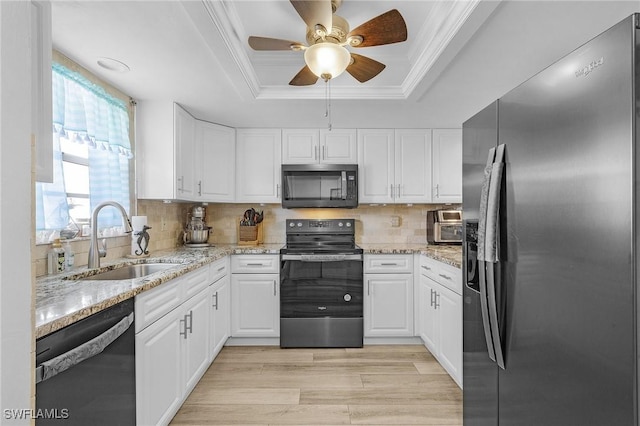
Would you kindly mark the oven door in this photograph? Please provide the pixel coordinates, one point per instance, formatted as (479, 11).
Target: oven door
(321, 300)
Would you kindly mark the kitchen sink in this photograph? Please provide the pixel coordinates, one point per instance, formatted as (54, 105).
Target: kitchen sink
(131, 271)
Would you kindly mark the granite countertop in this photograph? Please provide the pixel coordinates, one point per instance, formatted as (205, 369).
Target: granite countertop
(64, 299)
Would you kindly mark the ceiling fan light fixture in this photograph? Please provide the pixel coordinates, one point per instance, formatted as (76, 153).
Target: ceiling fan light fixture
(327, 60)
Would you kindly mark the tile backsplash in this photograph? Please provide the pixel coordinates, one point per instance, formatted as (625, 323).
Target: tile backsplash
(375, 224)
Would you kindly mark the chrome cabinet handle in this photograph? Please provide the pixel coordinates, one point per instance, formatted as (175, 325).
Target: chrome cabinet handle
(315, 152)
(184, 332)
(426, 267)
(436, 303)
(399, 193)
(275, 288)
(388, 264)
(216, 305)
(181, 183)
(437, 190)
(392, 191)
(190, 326)
(368, 288)
(220, 269)
(277, 190)
(431, 303)
(255, 264)
(446, 277)
(200, 188)
(324, 152)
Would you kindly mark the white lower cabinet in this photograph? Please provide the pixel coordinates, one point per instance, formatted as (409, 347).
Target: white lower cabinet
(388, 295)
(220, 305)
(255, 296)
(440, 314)
(172, 345)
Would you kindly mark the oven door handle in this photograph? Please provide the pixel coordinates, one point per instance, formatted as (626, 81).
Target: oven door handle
(93, 347)
(321, 257)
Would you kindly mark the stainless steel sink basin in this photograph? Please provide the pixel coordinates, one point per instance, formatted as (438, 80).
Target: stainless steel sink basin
(131, 271)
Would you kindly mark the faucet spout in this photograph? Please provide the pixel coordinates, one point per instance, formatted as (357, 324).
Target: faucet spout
(94, 251)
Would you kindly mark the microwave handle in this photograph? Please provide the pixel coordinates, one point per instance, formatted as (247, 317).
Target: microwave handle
(344, 185)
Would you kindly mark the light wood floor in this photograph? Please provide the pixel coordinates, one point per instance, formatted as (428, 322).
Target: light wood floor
(375, 385)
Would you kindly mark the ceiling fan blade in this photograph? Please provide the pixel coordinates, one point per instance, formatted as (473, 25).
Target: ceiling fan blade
(265, 43)
(304, 78)
(363, 68)
(384, 29)
(315, 12)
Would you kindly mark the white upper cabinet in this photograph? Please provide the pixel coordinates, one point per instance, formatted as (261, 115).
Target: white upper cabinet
(215, 162)
(447, 165)
(185, 149)
(41, 93)
(394, 165)
(376, 165)
(413, 166)
(313, 146)
(258, 160)
(165, 151)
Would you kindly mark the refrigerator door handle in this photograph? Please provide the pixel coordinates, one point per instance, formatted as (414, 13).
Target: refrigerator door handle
(493, 315)
(484, 305)
(492, 249)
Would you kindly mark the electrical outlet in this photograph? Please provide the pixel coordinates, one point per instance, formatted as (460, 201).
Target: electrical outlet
(395, 221)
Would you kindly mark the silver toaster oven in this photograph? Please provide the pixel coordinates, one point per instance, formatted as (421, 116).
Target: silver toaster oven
(444, 227)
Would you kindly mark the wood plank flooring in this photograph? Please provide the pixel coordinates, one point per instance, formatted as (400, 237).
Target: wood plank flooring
(375, 385)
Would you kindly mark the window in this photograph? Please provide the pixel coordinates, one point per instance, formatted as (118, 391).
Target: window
(92, 158)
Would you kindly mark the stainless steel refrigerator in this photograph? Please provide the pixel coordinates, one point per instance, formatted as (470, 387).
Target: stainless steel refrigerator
(551, 203)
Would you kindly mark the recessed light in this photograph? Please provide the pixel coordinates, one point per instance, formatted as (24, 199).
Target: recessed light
(113, 65)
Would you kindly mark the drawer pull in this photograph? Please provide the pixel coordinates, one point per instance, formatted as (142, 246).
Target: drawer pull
(388, 264)
(426, 267)
(446, 277)
(220, 269)
(255, 264)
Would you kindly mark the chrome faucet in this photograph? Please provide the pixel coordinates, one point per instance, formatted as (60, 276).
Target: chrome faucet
(95, 253)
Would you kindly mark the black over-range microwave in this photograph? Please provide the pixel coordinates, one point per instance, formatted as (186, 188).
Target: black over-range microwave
(319, 185)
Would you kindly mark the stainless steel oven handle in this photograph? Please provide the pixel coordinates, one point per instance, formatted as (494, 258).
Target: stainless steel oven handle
(93, 347)
(321, 257)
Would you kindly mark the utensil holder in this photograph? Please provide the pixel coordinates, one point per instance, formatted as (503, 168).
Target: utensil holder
(250, 235)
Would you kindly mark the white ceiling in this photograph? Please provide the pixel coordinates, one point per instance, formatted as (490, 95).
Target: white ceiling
(459, 56)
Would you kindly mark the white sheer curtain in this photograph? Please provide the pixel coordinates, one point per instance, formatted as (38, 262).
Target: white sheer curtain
(84, 113)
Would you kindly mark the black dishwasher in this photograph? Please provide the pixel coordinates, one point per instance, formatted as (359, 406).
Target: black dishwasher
(85, 372)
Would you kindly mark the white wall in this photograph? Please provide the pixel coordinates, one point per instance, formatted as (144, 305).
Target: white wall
(16, 278)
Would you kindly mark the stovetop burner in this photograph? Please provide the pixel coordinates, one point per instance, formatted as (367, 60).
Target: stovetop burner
(320, 236)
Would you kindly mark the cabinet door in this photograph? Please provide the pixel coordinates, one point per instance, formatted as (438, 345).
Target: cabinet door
(412, 166)
(388, 308)
(196, 341)
(258, 165)
(376, 165)
(255, 307)
(447, 165)
(184, 137)
(300, 146)
(428, 316)
(338, 146)
(449, 307)
(220, 316)
(215, 162)
(158, 373)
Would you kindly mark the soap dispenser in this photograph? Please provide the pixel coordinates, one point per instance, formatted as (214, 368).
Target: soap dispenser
(56, 256)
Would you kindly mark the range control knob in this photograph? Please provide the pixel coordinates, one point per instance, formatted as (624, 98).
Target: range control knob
(348, 224)
(347, 297)
(291, 224)
(340, 224)
(299, 224)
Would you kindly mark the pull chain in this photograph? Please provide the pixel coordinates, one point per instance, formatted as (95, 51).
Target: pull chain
(327, 97)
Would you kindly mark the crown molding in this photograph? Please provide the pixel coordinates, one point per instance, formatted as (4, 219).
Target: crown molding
(438, 30)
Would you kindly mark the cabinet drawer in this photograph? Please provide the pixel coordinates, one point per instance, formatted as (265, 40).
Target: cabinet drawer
(429, 267)
(450, 277)
(255, 264)
(388, 263)
(218, 269)
(442, 273)
(155, 303)
(194, 282)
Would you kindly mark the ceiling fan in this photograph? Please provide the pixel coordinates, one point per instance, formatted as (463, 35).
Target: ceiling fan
(327, 35)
